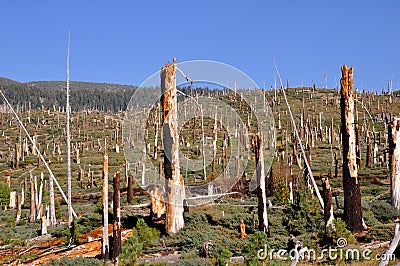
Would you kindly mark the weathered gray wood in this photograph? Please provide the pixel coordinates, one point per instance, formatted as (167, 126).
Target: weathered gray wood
(392, 247)
(105, 243)
(394, 161)
(261, 193)
(175, 184)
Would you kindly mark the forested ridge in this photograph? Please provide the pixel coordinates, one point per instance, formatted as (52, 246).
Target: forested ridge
(85, 95)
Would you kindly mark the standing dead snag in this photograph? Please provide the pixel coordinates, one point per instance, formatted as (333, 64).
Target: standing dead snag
(106, 245)
(67, 113)
(351, 186)
(175, 185)
(394, 161)
(117, 217)
(261, 193)
(328, 210)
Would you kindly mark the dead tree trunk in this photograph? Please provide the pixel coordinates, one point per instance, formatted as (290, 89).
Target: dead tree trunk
(117, 217)
(175, 185)
(394, 161)
(328, 210)
(19, 200)
(67, 113)
(351, 186)
(53, 220)
(368, 159)
(130, 185)
(105, 244)
(32, 205)
(261, 193)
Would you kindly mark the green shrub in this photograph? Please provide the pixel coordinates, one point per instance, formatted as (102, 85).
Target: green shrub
(224, 257)
(81, 261)
(340, 232)
(4, 194)
(281, 195)
(142, 237)
(380, 233)
(383, 211)
(192, 262)
(255, 242)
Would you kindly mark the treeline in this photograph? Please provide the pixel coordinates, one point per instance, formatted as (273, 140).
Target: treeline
(84, 95)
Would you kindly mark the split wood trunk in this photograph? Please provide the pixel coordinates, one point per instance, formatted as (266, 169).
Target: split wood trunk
(394, 161)
(19, 201)
(117, 217)
(328, 210)
(261, 193)
(351, 186)
(105, 243)
(175, 184)
(53, 220)
(33, 201)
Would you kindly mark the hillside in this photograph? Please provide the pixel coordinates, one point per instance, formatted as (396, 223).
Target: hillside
(317, 115)
(49, 94)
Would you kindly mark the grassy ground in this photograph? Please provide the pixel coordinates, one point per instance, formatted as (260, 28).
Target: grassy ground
(220, 220)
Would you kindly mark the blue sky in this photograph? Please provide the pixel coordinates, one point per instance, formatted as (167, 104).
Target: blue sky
(127, 41)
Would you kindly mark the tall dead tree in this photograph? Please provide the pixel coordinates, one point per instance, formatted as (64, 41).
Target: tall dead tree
(32, 201)
(394, 161)
(67, 112)
(129, 193)
(328, 210)
(351, 186)
(116, 250)
(175, 186)
(261, 190)
(105, 244)
(53, 220)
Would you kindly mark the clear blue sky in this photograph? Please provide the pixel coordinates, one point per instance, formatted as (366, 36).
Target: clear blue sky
(127, 41)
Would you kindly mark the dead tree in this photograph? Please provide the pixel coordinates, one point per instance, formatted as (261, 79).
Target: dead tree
(261, 193)
(392, 247)
(53, 220)
(368, 159)
(19, 200)
(351, 186)
(105, 244)
(130, 184)
(175, 186)
(117, 217)
(67, 113)
(328, 210)
(394, 161)
(32, 203)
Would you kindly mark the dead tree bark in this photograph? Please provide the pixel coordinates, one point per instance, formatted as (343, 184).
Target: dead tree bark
(388, 255)
(117, 217)
(19, 200)
(32, 205)
(105, 244)
(368, 159)
(175, 184)
(351, 186)
(44, 225)
(130, 189)
(261, 193)
(67, 113)
(328, 210)
(394, 161)
(53, 220)
(13, 199)
(214, 143)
